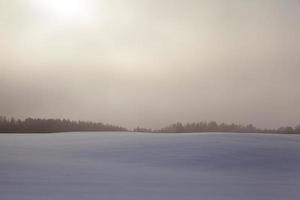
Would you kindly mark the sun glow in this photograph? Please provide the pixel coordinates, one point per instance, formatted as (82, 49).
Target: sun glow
(66, 10)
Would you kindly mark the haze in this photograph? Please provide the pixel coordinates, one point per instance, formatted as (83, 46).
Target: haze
(151, 62)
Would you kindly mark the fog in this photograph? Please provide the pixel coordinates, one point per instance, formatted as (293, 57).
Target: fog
(149, 62)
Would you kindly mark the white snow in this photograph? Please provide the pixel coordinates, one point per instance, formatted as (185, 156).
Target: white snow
(137, 166)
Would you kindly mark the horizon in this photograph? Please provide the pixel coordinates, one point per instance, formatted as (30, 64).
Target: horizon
(151, 63)
(165, 128)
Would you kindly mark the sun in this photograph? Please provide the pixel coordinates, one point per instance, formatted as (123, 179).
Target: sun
(65, 10)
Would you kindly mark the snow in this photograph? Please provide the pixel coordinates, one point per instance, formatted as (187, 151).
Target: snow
(138, 166)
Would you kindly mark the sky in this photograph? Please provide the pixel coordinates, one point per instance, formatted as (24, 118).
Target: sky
(151, 62)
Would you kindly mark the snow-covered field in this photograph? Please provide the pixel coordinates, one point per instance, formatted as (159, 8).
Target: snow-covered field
(137, 166)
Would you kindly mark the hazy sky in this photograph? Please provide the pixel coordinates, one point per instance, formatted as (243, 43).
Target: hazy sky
(151, 62)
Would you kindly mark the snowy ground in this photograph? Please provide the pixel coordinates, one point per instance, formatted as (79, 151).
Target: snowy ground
(121, 166)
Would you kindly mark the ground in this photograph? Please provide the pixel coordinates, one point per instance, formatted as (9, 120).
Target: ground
(93, 166)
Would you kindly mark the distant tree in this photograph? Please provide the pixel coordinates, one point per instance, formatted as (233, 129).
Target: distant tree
(31, 125)
(213, 126)
(286, 130)
(250, 128)
(138, 129)
(297, 129)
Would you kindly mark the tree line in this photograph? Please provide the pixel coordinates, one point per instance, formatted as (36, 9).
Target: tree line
(223, 127)
(37, 125)
(31, 125)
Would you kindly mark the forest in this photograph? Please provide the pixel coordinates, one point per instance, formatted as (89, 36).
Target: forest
(31, 125)
(223, 127)
(38, 125)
